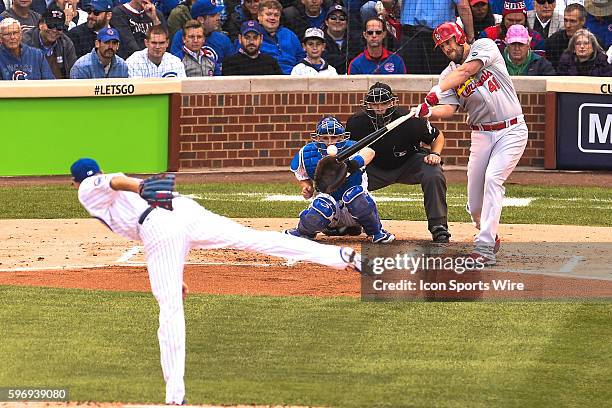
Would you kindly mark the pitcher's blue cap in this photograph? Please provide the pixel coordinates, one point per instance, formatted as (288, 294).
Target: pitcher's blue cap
(83, 168)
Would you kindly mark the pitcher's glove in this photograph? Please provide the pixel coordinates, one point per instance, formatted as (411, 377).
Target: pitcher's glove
(158, 190)
(329, 174)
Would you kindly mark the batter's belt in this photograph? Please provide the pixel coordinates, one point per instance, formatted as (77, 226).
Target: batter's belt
(489, 127)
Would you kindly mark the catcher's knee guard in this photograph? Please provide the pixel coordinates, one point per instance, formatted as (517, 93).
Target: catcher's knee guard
(317, 216)
(362, 207)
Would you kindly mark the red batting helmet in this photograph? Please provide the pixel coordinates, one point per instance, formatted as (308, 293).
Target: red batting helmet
(447, 30)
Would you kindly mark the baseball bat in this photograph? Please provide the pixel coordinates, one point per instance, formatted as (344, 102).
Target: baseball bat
(372, 137)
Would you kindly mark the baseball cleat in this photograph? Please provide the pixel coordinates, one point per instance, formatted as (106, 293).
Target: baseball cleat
(296, 233)
(351, 257)
(440, 234)
(383, 237)
(486, 261)
(353, 231)
(497, 244)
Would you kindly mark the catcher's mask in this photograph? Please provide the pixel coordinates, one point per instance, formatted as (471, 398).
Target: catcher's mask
(330, 131)
(380, 103)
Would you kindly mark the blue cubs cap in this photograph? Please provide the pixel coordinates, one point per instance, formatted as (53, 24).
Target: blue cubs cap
(83, 168)
(108, 34)
(205, 8)
(251, 26)
(336, 8)
(100, 5)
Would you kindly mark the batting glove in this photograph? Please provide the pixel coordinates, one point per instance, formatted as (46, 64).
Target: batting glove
(433, 97)
(421, 111)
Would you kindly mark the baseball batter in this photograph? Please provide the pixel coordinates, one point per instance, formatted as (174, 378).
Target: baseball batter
(131, 208)
(477, 80)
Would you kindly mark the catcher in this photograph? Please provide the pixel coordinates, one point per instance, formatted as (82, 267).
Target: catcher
(343, 206)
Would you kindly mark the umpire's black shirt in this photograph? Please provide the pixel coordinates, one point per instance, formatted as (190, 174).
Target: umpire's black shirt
(397, 146)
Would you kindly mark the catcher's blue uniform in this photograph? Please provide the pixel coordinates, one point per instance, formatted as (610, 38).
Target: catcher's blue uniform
(351, 205)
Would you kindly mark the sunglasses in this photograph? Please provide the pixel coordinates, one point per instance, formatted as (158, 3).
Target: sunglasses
(545, 1)
(57, 26)
(335, 17)
(372, 32)
(95, 12)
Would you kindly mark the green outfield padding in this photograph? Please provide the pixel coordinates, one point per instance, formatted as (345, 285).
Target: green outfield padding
(45, 136)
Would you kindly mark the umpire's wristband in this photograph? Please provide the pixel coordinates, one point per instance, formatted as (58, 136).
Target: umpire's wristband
(435, 153)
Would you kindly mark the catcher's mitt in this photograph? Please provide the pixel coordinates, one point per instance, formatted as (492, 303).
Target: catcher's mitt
(158, 190)
(329, 174)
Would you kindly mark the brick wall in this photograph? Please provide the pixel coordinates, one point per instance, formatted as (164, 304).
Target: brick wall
(261, 128)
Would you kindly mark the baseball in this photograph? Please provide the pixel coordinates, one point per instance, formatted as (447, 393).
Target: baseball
(332, 150)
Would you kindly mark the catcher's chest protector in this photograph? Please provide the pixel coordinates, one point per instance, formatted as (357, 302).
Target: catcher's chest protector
(310, 157)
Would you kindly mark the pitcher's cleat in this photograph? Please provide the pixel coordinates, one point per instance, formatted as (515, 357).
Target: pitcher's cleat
(351, 257)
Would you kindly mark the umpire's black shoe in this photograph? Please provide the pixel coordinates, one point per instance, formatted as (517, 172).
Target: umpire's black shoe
(440, 234)
(353, 231)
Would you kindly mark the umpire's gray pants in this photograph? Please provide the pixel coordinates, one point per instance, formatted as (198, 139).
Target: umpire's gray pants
(416, 171)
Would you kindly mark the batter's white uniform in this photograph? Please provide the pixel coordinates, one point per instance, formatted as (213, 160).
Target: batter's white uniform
(167, 237)
(499, 137)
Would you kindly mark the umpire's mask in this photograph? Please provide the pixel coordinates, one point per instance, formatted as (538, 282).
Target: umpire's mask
(379, 104)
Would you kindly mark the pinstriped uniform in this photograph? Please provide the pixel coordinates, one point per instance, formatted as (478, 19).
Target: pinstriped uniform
(167, 237)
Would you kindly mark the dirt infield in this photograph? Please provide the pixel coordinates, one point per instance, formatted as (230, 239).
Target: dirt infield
(84, 254)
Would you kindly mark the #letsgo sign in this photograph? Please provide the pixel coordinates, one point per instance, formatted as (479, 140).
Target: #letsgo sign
(595, 128)
(584, 131)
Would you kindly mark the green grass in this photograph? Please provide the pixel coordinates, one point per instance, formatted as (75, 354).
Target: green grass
(312, 351)
(550, 205)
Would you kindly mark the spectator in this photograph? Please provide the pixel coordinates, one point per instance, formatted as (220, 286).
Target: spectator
(574, 18)
(98, 17)
(341, 46)
(20, 61)
(514, 13)
(195, 60)
(243, 12)
(482, 16)
(133, 20)
(154, 61)
(22, 12)
(313, 65)
(304, 14)
(178, 17)
(610, 55)
(419, 18)
(74, 15)
(376, 59)
(544, 19)
(279, 42)
(599, 20)
(217, 45)
(249, 60)
(520, 60)
(56, 46)
(102, 62)
(584, 57)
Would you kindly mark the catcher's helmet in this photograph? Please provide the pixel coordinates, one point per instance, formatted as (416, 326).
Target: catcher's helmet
(330, 126)
(380, 93)
(447, 30)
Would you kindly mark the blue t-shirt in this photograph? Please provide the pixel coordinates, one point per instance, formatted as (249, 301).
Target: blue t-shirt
(430, 13)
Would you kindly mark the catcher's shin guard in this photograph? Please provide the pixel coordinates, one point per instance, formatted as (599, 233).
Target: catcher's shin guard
(317, 216)
(363, 208)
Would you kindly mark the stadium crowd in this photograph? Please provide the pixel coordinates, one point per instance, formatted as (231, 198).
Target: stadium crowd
(61, 39)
